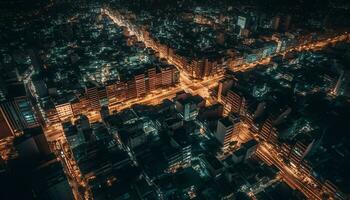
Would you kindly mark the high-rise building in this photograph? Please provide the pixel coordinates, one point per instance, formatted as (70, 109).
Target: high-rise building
(111, 95)
(189, 105)
(300, 149)
(64, 111)
(238, 126)
(93, 97)
(167, 79)
(158, 82)
(83, 103)
(131, 90)
(234, 102)
(52, 115)
(77, 107)
(151, 79)
(224, 132)
(140, 85)
(178, 155)
(102, 96)
(26, 112)
(17, 112)
(176, 75)
(120, 91)
(224, 86)
(268, 132)
(22, 105)
(197, 69)
(297, 152)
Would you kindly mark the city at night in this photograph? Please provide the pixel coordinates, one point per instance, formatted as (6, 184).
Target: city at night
(175, 100)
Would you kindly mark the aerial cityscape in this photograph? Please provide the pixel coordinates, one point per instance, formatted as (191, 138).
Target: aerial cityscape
(175, 100)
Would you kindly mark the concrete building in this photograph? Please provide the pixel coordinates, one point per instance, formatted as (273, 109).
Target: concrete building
(93, 97)
(64, 111)
(188, 105)
(224, 132)
(234, 102)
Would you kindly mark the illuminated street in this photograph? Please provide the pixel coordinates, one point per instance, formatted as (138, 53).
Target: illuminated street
(312, 46)
(290, 175)
(175, 99)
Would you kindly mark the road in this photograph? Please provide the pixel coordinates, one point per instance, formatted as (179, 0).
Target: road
(266, 152)
(76, 181)
(195, 88)
(118, 19)
(202, 88)
(310, 46)
(291, 175)
(63, 153)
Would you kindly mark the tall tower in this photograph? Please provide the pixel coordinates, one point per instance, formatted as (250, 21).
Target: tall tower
(224, 132)
(233, 102)
(140, 85)
(93, 98)
(151, 79)
(26, 112)
(18, 111)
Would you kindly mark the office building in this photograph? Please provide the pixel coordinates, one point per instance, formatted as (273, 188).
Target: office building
(188, 106)
(234, 102)
(151, 79)
(77, 107)
(268, 132)
(224, 132)
(52, 115)
(64, 111)
(18, 115)
(140, 85)
(26, 112)
(102, 96)
(92, 97)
